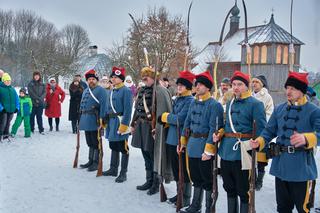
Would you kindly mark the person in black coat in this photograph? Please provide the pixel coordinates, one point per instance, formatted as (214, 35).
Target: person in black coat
(75, 91)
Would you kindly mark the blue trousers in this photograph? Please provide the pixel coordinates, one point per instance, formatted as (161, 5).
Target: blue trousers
(37, 112)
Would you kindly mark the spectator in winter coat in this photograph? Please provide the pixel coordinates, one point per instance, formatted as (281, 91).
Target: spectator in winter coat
(312, 96)
(75, 91)
(9, 104)
(37, 92)
(54, 98)
(165, 82)
(260, 92)
(129, 83)
(23, 114)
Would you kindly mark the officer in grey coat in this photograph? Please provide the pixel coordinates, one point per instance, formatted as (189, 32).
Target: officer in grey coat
(93, 111)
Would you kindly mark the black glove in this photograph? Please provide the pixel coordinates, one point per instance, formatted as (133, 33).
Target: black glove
(160, 121)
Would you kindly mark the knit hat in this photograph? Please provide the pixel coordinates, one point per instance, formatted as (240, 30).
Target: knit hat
(91, 73)
(297, 80)
(51, 79)
(23, 90)
(120, 72)
(6, 77)
(128, 78)
(186, 78)
(262, 79)
(226, 80)
(237, 75)
(205, 78)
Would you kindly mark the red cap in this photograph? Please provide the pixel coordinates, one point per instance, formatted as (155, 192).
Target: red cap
(91, 73)
(205, 78)
(186, 74)
(237, 75)
(303, 77)
(298, 81)
(119, 72)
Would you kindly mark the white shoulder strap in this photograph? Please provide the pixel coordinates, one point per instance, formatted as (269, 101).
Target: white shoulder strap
(92, 95)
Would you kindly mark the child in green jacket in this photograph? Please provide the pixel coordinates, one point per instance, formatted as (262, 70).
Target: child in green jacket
(23, 114)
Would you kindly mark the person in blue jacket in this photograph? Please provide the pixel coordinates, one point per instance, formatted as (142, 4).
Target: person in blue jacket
(203, 115)
(176, 119)
(9, 104)
(92, 114)
(241, 112)
(119, 108)
(296, 124)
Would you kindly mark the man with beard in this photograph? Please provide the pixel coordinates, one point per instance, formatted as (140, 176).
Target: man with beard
(296, 124)
(143, 133)
(119, 107)
(203, 115)
(242, 111)
(225, 92)
(93, 111)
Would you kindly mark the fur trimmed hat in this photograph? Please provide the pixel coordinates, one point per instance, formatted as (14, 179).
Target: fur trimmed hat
(148, 72)
(298, 81)
(186, 78)
(120, 72)
(237, 75)
(205, 78)
(91, 73)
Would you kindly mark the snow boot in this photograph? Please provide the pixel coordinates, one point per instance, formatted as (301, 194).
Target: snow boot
(244, 207)
(233, 205)
(155, 185)
(195, 206)
(208, 201)
(124, 168)
(114, 164)
(186, 194)
(259, 180)
(51, 128)
(57, 128)
(147, 185)
(84, 166)
(94, 165)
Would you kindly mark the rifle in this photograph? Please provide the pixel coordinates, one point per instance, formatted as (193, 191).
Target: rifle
(181, 174)
(311, 199)
(252, 189)
(215, 172)
(100, 164)
(75, 162)
(163, 194)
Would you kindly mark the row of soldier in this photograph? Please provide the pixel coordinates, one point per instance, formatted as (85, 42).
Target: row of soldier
(190, 126)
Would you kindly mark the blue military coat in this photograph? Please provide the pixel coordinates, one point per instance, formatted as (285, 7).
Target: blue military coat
(201, 119)
(243, 112)
(178, 115)
(286, 118)
(89, 108)
(121, 98)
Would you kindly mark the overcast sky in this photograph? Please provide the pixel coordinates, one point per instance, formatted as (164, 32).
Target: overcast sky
(107, 21)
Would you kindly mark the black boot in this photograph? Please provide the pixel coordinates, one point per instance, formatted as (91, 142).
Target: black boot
(233, 205)
(244, 207)
(155, 185)
(195, 206)
(51, 128)
(94, 165)
(124, 168)
(83, 166)
(208, 201)
(114, 164)
(186, 194)
(259, 180)
(148, 183)
(57, 128)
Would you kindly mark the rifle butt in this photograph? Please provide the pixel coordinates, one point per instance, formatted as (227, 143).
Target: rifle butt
(75, 161)
(99, 171)
(163, 194)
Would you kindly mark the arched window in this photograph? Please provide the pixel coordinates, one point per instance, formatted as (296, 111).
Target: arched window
(279, 54)
(256, 55)
(264, 50)
(285, 55)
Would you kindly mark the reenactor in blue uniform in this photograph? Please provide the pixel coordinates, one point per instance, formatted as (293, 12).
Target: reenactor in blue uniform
(241, 112)
(93, 111)
(142, 131)
(199, 126)
(296, 124)
(119, 107)
(176, 119)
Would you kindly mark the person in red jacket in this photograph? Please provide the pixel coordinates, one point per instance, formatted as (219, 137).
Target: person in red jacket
(54, 97)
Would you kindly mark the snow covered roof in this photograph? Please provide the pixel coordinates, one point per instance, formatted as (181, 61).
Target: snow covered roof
(272, 33)
(231, 50)
(99, 62)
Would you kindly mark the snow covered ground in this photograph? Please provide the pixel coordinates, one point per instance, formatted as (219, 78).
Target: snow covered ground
(36, 176)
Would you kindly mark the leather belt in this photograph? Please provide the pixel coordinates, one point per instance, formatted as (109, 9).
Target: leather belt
(291, 149)
(199, 135)
(238, 135)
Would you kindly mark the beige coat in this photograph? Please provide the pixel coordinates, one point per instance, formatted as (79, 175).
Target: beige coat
(264, 96)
